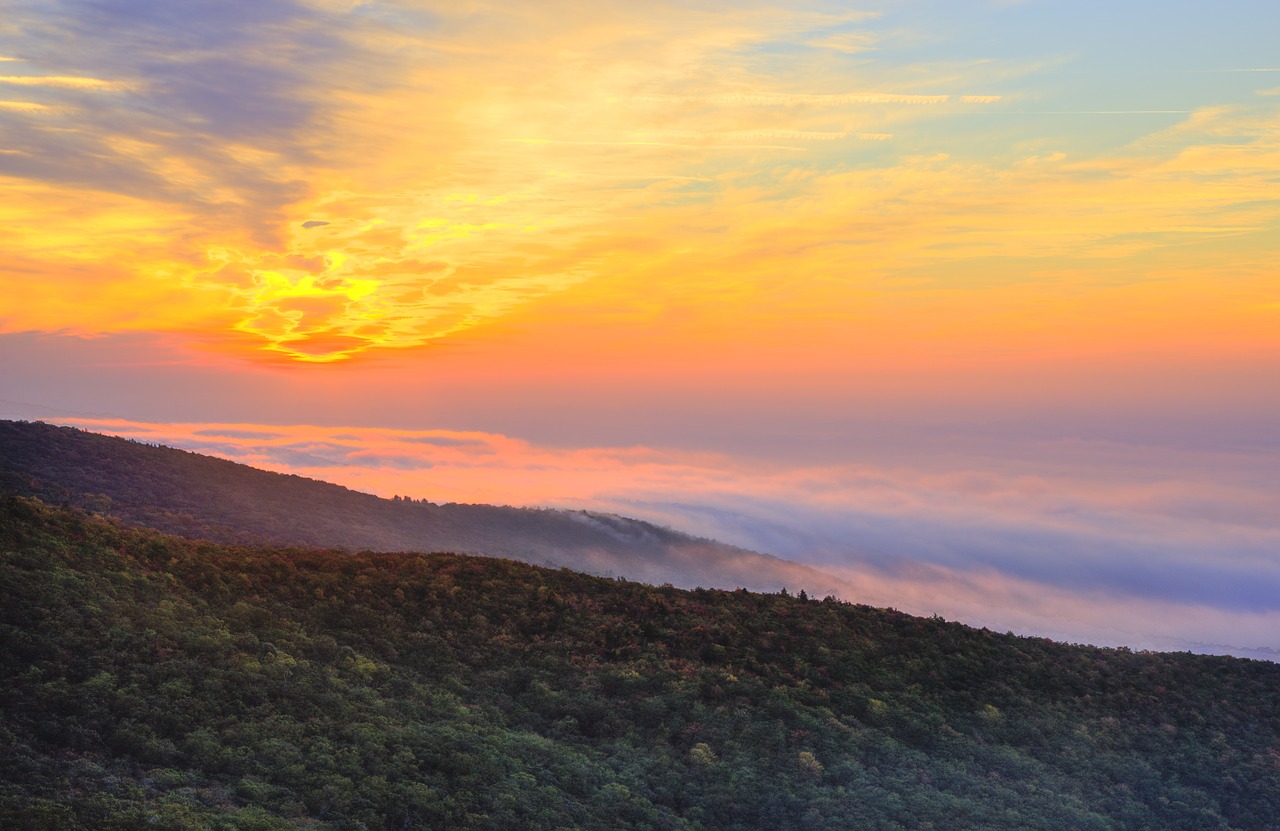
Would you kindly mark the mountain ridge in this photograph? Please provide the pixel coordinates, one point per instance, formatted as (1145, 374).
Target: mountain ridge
(199, 496)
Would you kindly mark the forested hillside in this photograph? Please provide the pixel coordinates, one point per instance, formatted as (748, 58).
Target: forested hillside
(202, 497)
(161, 683)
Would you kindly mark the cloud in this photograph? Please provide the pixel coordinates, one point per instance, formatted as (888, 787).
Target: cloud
(772, 99)
(848, 43)
(706, 146)
(213, 108)
(475, 444)
(751, 135)
(1107, 551)
(64, 82)
(1002, 603)
(24, 107)
(234, 433)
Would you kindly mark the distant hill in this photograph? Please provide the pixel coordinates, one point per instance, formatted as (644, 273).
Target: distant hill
(202, 497)
(153, 682)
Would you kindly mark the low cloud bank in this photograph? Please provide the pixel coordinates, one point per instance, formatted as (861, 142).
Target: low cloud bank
(1117, 545)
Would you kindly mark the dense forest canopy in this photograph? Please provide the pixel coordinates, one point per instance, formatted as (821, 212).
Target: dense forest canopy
(163, 683)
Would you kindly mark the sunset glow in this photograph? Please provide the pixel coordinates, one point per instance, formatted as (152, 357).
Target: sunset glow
(744, 241)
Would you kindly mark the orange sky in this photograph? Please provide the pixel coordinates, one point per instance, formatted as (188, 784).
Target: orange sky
(800, 183)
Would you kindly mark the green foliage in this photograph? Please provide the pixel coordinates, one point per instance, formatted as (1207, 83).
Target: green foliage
(162, 683)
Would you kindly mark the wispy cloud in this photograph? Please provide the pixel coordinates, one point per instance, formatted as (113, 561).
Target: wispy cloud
(64, 82)
(848, 43)
(24, 107)
(787, 99)
(752, 135)
(187, 90)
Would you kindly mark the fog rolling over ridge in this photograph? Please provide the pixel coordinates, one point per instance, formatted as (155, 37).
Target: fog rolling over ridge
(1151, 559)
(200, 496)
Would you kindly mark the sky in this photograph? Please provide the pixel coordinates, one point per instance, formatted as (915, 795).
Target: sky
(972, 305)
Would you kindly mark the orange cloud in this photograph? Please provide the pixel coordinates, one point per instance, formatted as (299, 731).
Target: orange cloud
(25, 107)
(773, 99)
(65, 82)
